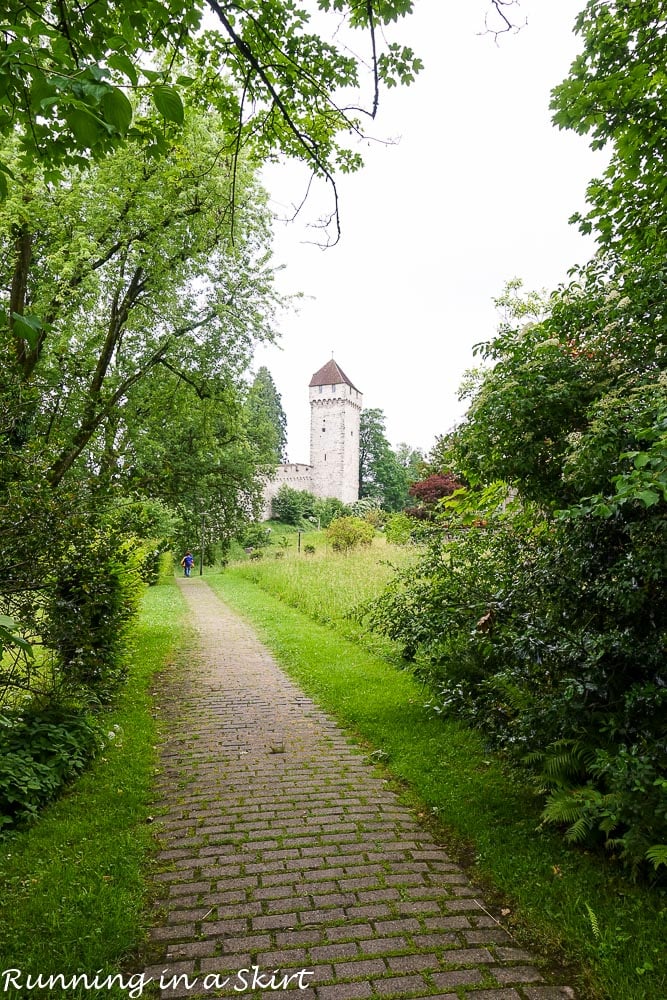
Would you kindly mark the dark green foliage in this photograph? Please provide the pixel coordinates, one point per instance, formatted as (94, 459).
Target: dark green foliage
(267, 423)
(40, 751)
(291, 506)
(256, 536)
(89, 609)
(550, 633)
(381, 474)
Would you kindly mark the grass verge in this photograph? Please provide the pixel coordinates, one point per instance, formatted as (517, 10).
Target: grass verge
(73, 887)
(567, 903)
(328, 586)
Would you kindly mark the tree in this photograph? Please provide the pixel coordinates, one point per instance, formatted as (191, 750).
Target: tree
(411, 459)
(381, 474)
(427, 492)
(129, 269)
(132, 304)
(543, 620)
(277, 84)
(616, 92)
(267, 423)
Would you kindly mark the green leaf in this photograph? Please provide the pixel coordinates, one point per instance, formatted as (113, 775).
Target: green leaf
(85, 126)
(117, 110)
(169, 104)
(125, 65)
(657, 854)
(28, 328)
(8, 636)
(649, 497)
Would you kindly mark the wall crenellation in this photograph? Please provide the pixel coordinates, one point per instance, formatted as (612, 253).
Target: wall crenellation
(335, 412)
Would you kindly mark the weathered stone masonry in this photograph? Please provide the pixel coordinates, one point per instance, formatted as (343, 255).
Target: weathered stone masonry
(335, 411)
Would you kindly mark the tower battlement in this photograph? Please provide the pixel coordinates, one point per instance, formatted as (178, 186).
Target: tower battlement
(335, 412)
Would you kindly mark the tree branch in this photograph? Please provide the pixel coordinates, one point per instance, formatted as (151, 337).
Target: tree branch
(306, 143)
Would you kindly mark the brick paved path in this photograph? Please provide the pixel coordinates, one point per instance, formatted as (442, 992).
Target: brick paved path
(286, 851)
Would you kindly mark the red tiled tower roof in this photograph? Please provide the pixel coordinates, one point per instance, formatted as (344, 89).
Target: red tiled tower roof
(331, 374)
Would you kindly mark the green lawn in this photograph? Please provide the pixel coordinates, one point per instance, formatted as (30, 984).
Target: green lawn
(73, 888)
(328, 587)
(573, 905)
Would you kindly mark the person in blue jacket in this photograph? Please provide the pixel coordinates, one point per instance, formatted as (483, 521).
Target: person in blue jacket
(187, 562)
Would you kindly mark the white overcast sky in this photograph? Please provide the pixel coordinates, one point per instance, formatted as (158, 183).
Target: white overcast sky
(476, 190)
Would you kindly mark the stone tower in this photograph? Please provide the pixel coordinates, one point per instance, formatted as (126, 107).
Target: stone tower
(335, 409)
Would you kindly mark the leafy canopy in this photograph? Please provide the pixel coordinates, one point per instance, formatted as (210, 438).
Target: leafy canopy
(76, 83)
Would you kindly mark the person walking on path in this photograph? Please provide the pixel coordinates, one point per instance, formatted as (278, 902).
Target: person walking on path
(187, 562)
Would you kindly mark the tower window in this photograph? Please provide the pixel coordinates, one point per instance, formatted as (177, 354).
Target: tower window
(333, 388)
(323, 429)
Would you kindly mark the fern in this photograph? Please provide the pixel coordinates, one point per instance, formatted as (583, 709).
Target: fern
(595, 925)
(564, 806)
(657, 855)
(563, 761)
(580, 829)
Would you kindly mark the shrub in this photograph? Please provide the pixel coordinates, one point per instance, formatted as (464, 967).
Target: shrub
(309, 550)
(398, 529)
(40, 751)
(327, 509)
(291, 506)
(255, 536)
(549, 633)
(89, 607)
(346, 533)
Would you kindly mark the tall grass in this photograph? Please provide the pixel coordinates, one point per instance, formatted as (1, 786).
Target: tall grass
(327, 586)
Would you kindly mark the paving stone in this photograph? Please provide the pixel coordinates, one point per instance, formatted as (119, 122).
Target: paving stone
(488, 935)
(434, 940)
(457, 977)
(493, 995)
(379, 946)
(549, 993)
(299, 937)
(348, 931)
(517, 974)
(334, 951)
(467, 956)
(397, 926)
(344, 991)
(399, 985)
(412, 963)
(300, 859)
(365, 967)
(512, 954)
